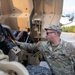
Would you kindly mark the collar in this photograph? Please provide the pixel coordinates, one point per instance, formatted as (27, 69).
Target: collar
(57, 48)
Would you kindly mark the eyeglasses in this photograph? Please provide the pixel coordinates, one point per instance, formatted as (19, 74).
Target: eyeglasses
(49, 33)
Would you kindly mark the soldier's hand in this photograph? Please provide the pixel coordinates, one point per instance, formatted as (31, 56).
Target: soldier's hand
(37, 44)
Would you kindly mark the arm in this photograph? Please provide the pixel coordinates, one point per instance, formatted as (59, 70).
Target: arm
(28, 46)
(71, 52)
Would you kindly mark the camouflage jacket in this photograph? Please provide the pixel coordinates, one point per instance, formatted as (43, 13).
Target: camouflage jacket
(61, 59)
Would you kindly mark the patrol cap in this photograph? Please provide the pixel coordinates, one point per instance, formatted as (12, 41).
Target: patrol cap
(55, 27)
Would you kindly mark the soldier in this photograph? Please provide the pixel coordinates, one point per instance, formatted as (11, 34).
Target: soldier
(58, 53)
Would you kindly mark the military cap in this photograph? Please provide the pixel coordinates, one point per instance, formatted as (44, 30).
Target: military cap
(55, 27)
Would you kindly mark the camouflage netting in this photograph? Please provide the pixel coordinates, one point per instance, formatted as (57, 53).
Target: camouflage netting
(38, 70)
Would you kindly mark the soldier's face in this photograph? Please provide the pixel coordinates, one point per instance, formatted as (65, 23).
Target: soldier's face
(49, 35)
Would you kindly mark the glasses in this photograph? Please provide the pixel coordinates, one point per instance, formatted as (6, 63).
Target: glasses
(49, 33)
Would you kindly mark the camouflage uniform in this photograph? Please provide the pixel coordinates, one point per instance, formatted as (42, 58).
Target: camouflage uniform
(60, 59)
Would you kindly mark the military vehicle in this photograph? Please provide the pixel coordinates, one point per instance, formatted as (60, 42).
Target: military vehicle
(29, 16)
